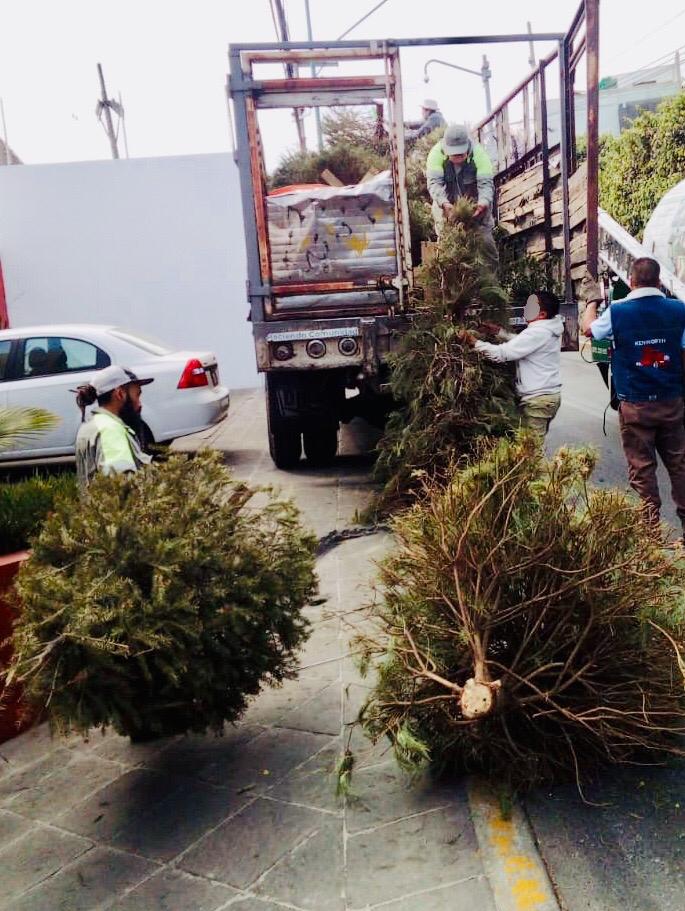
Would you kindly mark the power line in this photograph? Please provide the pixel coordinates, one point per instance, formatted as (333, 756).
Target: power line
(661, 63)
(359, 21)
(648, 35)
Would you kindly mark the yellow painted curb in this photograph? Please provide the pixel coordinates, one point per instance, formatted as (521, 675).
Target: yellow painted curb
(511, 860)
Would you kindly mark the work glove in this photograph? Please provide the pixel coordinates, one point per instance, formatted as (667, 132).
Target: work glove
(590, 290)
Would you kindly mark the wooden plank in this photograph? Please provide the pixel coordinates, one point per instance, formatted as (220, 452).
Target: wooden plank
(522, 183)
(330, 178)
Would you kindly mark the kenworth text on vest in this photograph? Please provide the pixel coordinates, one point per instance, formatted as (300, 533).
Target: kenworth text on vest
(647, 355)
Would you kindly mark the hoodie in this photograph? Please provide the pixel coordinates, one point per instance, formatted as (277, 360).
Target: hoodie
(536, 352)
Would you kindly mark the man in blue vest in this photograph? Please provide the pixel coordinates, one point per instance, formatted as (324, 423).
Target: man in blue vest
(648, 331)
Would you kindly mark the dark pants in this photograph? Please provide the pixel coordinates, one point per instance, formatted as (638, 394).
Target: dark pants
(648, 428)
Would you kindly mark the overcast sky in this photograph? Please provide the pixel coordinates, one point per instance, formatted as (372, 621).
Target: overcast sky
(168, 60)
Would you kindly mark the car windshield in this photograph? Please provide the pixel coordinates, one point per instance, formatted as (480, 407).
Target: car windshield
(144, 342)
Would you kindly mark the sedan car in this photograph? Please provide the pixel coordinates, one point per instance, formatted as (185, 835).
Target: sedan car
(40, 366)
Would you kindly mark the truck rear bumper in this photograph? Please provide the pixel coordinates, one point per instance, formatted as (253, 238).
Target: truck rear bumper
(347, 342)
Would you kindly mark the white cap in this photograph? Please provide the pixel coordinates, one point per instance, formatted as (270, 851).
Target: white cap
(112, 377)
(430, 104)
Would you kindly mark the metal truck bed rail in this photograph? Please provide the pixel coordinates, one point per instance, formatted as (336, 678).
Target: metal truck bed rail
(618, 249)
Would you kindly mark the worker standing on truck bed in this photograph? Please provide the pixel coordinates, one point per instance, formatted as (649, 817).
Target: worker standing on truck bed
(431, 119)
(457, 166)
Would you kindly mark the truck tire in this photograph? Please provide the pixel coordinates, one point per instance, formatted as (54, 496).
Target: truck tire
(320, 445)
(285, 442)
(285, 447)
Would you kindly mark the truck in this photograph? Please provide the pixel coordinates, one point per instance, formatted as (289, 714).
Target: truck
(330, 273)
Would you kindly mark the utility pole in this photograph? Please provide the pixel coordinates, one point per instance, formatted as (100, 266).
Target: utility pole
(317, 110)
(531, 48)
(291, 72)
(106, 105)
(122, 114)
(486, 73)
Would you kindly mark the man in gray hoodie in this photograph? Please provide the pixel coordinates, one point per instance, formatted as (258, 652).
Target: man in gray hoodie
(537, 354)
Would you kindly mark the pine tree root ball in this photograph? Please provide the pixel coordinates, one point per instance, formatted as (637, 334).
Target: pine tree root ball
(162, 602)
(530, 627)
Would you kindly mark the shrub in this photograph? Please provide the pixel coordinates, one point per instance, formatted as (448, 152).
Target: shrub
(348, 163)
(641, 165)
(163, 603)
(25, 504)
(531, 628)
(521, 274)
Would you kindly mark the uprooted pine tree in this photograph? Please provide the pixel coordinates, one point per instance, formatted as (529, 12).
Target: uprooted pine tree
(531, 627)
(449, 397)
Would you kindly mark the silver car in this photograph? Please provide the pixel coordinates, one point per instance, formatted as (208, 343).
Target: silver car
(41, 365)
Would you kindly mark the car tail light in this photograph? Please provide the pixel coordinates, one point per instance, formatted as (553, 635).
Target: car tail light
(193, 375)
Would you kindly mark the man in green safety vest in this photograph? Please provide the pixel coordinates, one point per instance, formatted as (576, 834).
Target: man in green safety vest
(457, 166)
(107, 442)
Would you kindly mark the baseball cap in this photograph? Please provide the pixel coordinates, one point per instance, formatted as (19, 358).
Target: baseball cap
(455, 140)
(430, 103)
(112, 377)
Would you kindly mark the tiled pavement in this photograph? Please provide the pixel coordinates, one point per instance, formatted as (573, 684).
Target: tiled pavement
(249, 820)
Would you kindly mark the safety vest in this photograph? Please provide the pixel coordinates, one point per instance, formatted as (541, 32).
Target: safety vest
(647, 348)
(107, 445)
(462, 180)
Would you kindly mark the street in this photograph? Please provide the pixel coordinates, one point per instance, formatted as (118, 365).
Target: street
(251, 820)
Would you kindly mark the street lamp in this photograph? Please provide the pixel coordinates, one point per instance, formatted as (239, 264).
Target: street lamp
(484, 73)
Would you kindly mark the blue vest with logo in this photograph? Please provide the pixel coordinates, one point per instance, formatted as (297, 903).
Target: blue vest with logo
(647, 361)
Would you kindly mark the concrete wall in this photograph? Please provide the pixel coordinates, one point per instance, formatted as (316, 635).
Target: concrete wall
(154, 244)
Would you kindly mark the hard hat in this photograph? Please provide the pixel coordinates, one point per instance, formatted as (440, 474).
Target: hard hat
(455, 140)
(430, 104)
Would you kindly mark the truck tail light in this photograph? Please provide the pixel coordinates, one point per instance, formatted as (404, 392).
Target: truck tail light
(193, 375)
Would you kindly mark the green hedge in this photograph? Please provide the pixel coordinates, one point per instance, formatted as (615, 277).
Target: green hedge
(642, 164)
(25, 504)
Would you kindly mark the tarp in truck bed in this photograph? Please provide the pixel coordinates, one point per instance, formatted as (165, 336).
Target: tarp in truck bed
(333, 233)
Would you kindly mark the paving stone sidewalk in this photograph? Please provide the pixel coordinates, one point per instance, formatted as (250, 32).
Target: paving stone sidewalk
(250, 820)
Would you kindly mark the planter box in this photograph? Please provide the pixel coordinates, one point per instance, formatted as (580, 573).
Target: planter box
(11, 711)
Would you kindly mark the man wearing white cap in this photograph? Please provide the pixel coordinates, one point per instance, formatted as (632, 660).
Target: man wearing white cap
(457, 166)
(107, 443)
(431, 119)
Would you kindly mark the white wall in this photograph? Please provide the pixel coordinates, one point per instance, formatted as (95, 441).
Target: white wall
(152, 244)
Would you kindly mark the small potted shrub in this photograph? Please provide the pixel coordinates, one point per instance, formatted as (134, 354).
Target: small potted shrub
(163, 603)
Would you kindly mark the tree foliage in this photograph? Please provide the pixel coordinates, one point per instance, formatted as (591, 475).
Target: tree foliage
(25, 504)
(531, 628)
(449, 396)
(642, 164)
(20, 425)
(348, 163)
(163, 603)
(351, 127)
